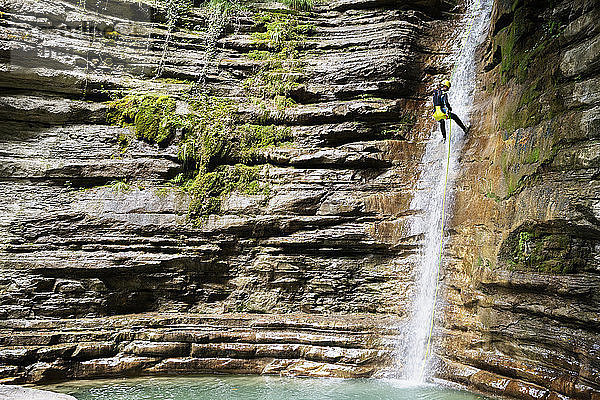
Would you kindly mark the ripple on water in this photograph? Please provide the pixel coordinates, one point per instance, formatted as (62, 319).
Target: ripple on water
(257, 388)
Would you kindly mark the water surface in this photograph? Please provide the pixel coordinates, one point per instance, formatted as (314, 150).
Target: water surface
(256, 388)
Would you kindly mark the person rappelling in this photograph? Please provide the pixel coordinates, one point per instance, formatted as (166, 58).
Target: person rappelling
(442, 108)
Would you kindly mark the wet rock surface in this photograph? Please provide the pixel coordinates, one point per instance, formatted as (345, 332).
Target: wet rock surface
(523, 282)
(346, 346)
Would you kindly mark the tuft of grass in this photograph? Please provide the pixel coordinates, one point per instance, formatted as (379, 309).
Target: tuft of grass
(300, 5)
(119, 187)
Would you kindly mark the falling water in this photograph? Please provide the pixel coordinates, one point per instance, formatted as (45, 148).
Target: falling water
(429, 195)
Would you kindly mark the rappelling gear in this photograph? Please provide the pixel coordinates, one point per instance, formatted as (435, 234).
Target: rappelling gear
(446, 83)
(439, 114)
(440, 98)
(443, 111)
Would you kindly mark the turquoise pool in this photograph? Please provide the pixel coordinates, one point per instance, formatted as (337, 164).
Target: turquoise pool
(256, 388)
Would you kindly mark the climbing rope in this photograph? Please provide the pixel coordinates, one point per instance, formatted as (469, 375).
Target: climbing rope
(437, 279)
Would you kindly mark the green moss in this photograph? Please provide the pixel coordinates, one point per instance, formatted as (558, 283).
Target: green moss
(532, 157)
(119, 187)
(529, 56)
(273, 85)
(259, 55)
(528, 45)
(208, 189)
(207, 138)
(152, 116)
(493, 196)
(163, 192)
(544, 252)
(281, 70)
(526, 150)
(219, 153)
(513, 185)
(123, 141)
(256, 137)
(305, 29)
(174, 81)
(524, 239)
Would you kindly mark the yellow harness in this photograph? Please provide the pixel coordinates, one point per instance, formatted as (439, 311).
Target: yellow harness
(439, 114)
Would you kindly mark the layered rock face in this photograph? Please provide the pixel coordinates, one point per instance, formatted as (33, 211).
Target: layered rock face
(96, 244)
(318, 346)
(92, 228)
(523, 282)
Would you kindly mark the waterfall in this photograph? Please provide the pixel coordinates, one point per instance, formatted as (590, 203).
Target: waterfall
(429, 194)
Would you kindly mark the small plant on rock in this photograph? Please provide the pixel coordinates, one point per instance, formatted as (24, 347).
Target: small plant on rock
(300, 5)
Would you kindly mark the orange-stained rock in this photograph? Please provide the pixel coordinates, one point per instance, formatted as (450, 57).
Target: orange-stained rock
(521, 277)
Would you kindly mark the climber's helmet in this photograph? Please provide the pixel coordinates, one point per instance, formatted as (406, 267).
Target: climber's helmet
(446, 84)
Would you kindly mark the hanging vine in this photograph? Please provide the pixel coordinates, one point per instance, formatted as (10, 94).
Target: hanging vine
(174, 11)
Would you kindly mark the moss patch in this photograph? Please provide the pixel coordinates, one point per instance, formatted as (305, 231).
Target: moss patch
(525, 151)
(152, 116)
(544, 251)
(529, 50)
(220, 155)
(281, 69)
(209, 188)
(303, 5)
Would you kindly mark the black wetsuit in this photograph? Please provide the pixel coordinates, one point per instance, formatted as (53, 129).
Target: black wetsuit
(440, 98)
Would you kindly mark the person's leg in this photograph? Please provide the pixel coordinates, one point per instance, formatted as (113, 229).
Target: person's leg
(443, 128)
(458, 121)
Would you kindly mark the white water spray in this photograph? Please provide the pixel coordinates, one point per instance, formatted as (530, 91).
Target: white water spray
(429, 194)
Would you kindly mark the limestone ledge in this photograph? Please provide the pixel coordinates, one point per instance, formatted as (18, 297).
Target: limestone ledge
(12, 392)
(43, 350)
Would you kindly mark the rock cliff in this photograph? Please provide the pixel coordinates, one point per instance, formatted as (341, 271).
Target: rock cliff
(93, 226)
(523, 281)
(105, 217)
(137, 236)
